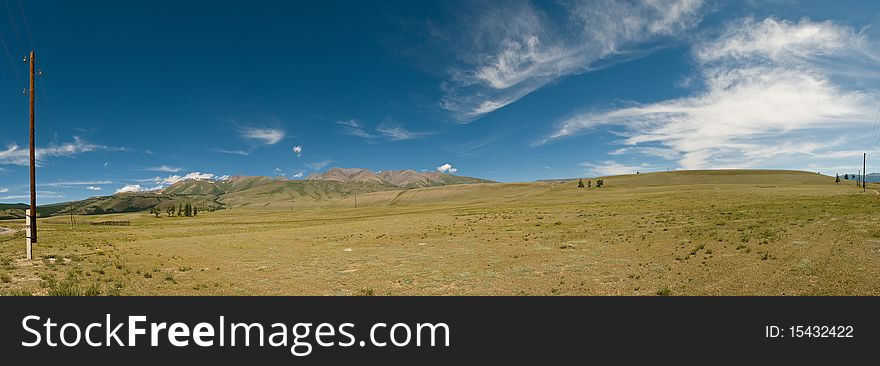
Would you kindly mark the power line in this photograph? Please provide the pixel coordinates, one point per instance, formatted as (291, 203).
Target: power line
(44, 102)
(12, 62)
(14, 26)
(26, 26)
(874, 136)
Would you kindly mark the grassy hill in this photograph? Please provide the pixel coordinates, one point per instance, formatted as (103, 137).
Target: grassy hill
(734, 232)
(395, 178)
(376, 190)
(249, 192)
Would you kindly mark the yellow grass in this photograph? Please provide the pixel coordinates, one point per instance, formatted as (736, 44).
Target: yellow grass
(678, 233)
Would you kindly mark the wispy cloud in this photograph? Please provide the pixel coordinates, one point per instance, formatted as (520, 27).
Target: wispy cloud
(94, 188)
(4, 190)
(298, 150)
(163, 169)
(233, 152)
(76, 183)
(611, 167)
(40, 195)
(507, 52)
(355, 128)
(397, 133)
(387, 131)
(318, 165)
(298, 175)
(773, 92)
(263, 135)
(14, 155)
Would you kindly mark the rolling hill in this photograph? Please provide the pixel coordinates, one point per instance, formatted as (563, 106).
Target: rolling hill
(338, 187)
(252, 192)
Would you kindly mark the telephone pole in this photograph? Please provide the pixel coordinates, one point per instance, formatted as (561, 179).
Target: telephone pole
(864, 171)
(32, 230)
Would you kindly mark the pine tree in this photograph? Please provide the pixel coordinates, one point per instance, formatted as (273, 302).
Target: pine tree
(599, 183)
(170, 210)
(589, 184)
(195, 211)
(580, 183)
(837, 178)
(180, 210)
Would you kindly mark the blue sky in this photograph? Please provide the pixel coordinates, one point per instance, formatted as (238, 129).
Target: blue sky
(136, 95)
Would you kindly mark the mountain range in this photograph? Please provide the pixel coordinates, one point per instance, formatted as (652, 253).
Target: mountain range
(254, 192)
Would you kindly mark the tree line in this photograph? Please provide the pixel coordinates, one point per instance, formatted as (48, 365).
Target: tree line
(182, 210)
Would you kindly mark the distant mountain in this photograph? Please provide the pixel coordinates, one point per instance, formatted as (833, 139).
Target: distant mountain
(254, 192)
(394, 178)
(870, 178)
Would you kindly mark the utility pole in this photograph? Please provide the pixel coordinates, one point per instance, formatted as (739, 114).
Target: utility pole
(32, 230)
(864, 171)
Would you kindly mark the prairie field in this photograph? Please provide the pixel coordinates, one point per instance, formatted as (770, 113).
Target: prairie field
(671, 233)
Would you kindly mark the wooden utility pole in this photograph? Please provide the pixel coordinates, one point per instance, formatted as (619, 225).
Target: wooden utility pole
(864, 171)
(32, 232)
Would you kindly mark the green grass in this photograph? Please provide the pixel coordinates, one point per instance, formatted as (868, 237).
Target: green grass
(700, 233)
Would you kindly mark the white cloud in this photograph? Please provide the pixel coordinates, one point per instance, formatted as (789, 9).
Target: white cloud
(164, 169)
(773, 93)
(233, 152)
(162, 183)
(267, 136)
(106, 163)
(85, 183)
(397, 133)
(386, 131)
(130, 188)
(298, 175)
(511, 51)
(41, 195)
(4, 190)
(611, 167)
(298, 150)
(447, 168)
(171, 179)
(355, 128)
(318, 165)
(13, 155)
(280, 172)
(94, 188)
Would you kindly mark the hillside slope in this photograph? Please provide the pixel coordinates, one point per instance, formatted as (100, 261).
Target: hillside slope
(394, 178)
(250, 192)
(392, 188)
